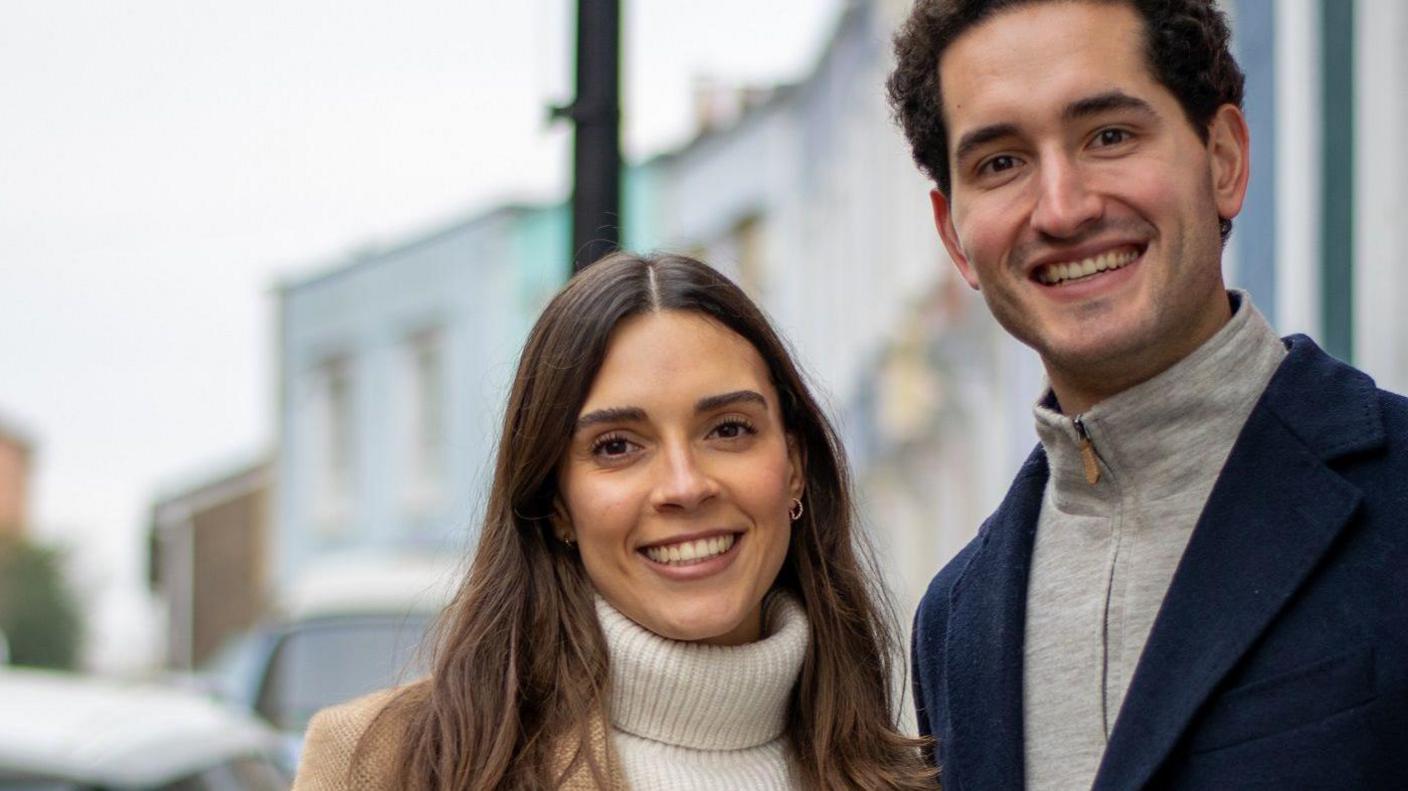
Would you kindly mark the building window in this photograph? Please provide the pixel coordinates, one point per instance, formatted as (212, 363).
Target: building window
(334, 445)
(424, 426)
(750, 247)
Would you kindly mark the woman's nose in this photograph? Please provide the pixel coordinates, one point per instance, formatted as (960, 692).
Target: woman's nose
(683, 482)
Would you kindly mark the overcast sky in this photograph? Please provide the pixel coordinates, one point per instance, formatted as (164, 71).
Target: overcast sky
(164, 162)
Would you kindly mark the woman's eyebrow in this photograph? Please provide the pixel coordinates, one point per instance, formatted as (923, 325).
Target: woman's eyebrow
(708, 403)
(615, 414)
(634, 414)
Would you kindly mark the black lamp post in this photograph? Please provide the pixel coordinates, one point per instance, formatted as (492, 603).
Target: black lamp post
(596, 116)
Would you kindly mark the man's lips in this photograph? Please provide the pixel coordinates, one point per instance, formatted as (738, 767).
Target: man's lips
(1079, 265)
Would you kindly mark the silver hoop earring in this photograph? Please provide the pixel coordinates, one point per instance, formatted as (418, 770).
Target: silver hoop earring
(795, 512)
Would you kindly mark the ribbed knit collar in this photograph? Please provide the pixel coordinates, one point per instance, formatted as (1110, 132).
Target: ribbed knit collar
(705, 697)
(1172, 433)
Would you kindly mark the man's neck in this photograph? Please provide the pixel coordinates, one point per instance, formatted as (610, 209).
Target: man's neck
(1077, 390)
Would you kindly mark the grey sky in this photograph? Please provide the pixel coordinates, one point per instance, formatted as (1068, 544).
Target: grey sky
(164, 162)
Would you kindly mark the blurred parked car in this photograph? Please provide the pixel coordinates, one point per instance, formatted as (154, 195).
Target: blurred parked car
(348, 627)
(65, 732)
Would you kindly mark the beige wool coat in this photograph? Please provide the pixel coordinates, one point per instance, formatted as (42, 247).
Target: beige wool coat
(334, 734)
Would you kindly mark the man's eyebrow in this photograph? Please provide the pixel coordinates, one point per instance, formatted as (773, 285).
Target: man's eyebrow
(725, 399)
(1082, 108)
(1104, 103)
(980, 137)
(615, 414)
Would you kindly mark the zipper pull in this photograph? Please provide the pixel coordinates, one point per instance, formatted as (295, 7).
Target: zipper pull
(1087, 453)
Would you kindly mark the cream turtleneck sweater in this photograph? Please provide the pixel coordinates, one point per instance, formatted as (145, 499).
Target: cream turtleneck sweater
(686, 716)
(1105, 553)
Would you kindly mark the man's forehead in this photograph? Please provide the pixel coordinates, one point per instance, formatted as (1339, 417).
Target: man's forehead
(1051, 52)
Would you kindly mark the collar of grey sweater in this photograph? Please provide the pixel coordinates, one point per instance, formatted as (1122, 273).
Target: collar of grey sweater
(705, 697)
(1171, 434)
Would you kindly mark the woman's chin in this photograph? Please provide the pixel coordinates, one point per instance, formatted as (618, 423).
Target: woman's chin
(711, 624)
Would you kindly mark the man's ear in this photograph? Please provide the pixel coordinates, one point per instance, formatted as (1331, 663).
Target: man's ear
(943, 221)
(1229, 157)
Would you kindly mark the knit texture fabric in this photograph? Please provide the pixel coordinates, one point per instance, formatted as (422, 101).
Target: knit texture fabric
(688, 717)
(1105, 553)
(336, 734)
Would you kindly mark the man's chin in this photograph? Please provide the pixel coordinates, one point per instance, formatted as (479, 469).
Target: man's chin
(1109, 360)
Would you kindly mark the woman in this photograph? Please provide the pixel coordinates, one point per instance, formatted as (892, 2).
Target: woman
(667, 591)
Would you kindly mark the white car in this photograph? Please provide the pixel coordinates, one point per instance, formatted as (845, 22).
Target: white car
(66, 732)
(349, 626)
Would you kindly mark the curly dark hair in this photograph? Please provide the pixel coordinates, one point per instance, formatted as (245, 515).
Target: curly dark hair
(1188, 52)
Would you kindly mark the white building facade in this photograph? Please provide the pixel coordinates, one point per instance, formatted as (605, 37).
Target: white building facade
(393, 369)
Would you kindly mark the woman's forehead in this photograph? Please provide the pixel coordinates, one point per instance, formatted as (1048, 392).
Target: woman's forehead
(675, 356)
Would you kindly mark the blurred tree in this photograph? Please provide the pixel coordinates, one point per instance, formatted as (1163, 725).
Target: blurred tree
(38, 613)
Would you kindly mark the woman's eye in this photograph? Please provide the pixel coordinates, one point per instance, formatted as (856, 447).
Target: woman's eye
(732, 429)
(611, 447)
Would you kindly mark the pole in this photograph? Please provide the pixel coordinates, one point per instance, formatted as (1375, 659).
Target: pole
(596, 150)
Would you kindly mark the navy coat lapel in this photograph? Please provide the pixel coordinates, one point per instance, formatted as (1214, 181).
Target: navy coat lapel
(1275, 510)
(983, 658)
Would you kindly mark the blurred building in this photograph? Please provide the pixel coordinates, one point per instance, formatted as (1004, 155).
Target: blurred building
(1319, 243)
(16, 452)
(806, 195)
(210, 545)
(393, 370)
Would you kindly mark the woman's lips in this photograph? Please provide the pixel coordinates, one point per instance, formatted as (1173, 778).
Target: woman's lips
(690, 550)
(707, 556)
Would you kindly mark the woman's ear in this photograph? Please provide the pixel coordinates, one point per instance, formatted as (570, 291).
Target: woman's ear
(796, 467)
(562, 523)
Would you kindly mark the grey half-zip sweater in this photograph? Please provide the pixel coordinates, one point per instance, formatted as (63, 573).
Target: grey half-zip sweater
(1105, 553)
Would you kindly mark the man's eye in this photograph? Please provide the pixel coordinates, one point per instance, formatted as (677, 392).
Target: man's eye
(1112, 137)
(999, 163)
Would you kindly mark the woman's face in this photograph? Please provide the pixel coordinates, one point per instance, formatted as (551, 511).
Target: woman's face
(678, 479)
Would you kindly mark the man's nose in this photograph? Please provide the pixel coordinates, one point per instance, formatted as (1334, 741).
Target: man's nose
(683, 481)
(1065, 204)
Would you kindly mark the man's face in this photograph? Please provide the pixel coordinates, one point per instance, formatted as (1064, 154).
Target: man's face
(1083, 203)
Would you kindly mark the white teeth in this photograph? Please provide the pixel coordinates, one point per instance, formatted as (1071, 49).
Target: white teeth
(687, 552)
(1052, 274)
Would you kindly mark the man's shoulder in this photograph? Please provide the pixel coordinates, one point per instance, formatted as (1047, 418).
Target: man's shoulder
(1334, 408)
(942, 585)
(931, 617)
(1017, 508)
(1395, 409)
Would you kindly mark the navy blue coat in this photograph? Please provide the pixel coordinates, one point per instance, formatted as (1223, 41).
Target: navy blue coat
(1279, 658)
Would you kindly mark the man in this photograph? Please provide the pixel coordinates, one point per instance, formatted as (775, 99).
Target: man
(1200, 577)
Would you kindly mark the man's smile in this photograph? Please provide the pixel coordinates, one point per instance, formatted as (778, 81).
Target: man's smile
(1062, 272)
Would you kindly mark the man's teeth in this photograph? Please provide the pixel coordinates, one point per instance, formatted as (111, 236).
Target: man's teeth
(690, 551)
(1051, 274)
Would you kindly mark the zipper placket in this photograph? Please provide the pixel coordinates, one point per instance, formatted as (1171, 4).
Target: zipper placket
(1087, 452)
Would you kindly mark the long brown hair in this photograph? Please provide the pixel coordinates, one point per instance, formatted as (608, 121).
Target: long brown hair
(520, 671)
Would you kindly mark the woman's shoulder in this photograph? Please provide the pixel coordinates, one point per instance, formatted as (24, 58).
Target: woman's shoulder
(337, 734)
